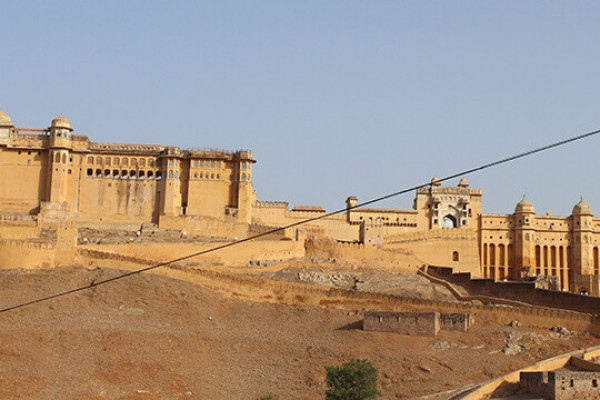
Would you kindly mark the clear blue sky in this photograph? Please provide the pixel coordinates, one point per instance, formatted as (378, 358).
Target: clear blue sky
(335, 98)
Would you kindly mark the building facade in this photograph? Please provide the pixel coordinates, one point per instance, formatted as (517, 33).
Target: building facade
(54, 175)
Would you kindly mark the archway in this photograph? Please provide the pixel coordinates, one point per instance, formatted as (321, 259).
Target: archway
(449, 222)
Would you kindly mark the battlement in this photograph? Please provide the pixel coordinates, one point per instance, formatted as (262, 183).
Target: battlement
(271, 204)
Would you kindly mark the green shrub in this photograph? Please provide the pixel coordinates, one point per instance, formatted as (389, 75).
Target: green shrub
(355, 380)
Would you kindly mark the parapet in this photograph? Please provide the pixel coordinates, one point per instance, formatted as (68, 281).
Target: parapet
(271, 204)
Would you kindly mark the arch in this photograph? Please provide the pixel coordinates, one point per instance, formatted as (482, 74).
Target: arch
(485, 260)
(492, 255)
(151, 163)
(134, 162)
(596, 266)
(90, 160)
(583, 291)
(170, 175)
(538, 259)
(116, 161)
(107, 161)
(195, 175)
(142, 162)
(455, 256)
(141, 174)
(553, 260)
(449, 221)
(64, 158)
(98, 173)
(132, 174)
(90, 172)
(124, 174)
(510, 255)
(125, 162)
(99, 160)
(527, 237)
(561, 256)
(568, 256)
(115, 173)
(176, 174)
(107, 173)
(243, 177)
(158, 175)
(501, 255)
(150, 175)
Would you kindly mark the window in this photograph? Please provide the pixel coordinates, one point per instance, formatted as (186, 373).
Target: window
(150, 175)
(124, 174)
(115, 173)
(455, 256)
(107, 173)
(141, 175)
(90, 173)
(132, 175)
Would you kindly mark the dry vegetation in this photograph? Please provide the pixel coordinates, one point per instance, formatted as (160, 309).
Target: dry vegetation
(150, 337)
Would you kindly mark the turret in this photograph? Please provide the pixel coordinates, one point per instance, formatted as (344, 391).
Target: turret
(5, 127)
(581, 242)
(59, 164)
(524, 248)
(245, 196)
(170, 202)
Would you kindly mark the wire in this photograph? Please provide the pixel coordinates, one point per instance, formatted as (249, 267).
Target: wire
(323, 216)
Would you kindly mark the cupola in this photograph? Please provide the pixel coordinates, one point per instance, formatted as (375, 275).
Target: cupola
(524, 206)
(5, 119)
(463, 183)
(581, 208)
(61, 122)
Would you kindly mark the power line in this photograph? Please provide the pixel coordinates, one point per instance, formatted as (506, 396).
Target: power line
(323, 216)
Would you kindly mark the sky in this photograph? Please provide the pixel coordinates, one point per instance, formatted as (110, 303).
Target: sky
(334, 98)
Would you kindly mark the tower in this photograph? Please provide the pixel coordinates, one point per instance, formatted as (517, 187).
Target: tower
(524, 257)
(59, 159)
(5, 127)
(170, 201)
(245, 197)
(581, 239)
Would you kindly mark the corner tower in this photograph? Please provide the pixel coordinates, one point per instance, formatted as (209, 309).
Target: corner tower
(59, 159)
(581, 239)
(523, 223)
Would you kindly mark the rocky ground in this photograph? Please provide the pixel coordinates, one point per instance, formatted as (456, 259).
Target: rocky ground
(371, 280)
(149, 337)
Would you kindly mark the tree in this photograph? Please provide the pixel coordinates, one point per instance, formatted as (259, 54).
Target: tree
(355, 380)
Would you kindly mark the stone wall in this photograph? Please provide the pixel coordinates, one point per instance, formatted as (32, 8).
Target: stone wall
(456, 321)
(520, 291)
(562, 384)
(406, 323)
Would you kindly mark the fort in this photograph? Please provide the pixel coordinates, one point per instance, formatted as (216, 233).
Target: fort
(52, 175)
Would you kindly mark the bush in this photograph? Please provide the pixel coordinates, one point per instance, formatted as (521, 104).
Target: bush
(355, 380)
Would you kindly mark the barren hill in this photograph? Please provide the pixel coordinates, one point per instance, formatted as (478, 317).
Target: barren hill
(149, 337)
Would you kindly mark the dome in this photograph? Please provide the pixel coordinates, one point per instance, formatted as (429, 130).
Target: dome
(4, 119)
(524, 206)
(435, 181)
(582, 208)
(61, 122)
(463, 183)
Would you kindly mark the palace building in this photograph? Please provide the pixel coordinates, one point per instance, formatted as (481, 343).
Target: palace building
(51, 175)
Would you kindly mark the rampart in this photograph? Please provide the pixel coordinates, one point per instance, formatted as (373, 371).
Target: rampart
(456, 321)
(28, 255)
(520, 291)
(359, 253)
(296, 293)
(406, 323)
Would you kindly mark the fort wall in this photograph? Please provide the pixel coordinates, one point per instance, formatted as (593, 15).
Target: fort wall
(295, 293)
(27, 255)
(520, 291)
(359, 253)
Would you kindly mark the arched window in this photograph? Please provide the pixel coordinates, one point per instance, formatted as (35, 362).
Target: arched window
(455, 256)
(98, 173)
(116, 161)
(125, 162)
(115, 173)
(170, 175)
(64, 158)
(132, 174)
(176, 174)
(124, 174)
(501, 255)
(99, 160)
(134, 162)
(107, 161)
(90, 172)
(596, 266)
(150, 175)
(151, 163)
(107, 173)
(243, 177)
(141, 175)
(90, 160)
(142, 162)
(158, 175)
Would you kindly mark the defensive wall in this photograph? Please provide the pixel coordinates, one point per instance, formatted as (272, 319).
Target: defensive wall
(456, 248)
(519, 291)
(482, 391)
(277, 250)
(27, 255)
(359, 253)
(296, 293)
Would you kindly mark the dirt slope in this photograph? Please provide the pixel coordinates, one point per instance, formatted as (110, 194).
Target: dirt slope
(149, 337)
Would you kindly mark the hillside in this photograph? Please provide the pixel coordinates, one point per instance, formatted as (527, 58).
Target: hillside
(149, 337)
